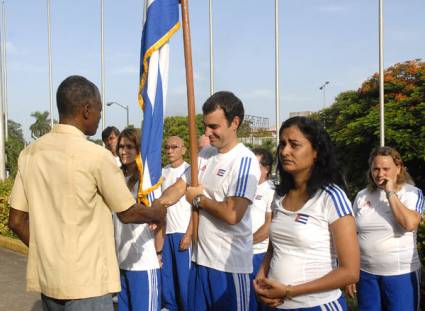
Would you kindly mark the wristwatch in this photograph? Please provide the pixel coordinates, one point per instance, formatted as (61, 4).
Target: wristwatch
(390, 193)
(196, 201)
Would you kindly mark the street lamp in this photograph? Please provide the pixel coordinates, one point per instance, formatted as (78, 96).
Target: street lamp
(123, 107)
(323, 88)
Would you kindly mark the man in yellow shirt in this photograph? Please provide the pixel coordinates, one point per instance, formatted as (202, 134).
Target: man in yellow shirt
(61, 203)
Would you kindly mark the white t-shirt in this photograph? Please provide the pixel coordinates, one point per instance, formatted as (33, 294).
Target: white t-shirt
(259, 207)
(135, 244)
(303, 249)
(178, 215)
(385, 247)
(117, 159)
(235, 173)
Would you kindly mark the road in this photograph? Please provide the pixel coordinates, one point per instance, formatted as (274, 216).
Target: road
(13, 296)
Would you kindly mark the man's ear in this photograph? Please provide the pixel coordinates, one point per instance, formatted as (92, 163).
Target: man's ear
(235, 122)
(86, 111)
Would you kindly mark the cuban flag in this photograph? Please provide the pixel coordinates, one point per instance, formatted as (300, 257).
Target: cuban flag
(301, 218)
(161, 21)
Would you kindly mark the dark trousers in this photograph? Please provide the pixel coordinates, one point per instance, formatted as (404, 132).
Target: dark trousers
(101, 303)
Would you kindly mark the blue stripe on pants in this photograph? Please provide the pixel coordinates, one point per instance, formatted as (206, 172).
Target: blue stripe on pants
(139, 291)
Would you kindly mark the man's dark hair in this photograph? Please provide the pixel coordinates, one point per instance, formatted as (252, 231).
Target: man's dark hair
(266, 158)
(108, 131)
(228, 102)
(73, 92)
(326, 169)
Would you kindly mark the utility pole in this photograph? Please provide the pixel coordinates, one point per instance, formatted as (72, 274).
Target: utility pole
(323, 88)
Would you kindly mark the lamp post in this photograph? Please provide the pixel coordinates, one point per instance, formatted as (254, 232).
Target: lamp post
(323, 88)
(123, 107)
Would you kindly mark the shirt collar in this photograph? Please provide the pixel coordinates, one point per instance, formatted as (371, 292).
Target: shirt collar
(67, 129)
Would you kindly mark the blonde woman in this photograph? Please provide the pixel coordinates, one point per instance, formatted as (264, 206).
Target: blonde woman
(387, 214)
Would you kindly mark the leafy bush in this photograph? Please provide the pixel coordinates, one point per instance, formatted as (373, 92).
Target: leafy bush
(5, 189)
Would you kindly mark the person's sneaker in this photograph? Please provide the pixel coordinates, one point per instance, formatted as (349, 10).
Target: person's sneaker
(115, 298)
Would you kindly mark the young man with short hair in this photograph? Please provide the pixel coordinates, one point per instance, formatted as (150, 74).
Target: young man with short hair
(228, 177)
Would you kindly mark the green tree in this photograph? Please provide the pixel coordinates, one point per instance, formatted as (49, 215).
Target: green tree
(245, 129)
(179, 126)
(41, 124)
(14, 145)
(353, 122)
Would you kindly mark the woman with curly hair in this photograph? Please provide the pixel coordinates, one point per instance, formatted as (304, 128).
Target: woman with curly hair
(312, 225)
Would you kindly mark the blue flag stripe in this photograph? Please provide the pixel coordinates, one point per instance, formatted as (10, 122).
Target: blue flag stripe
(161, 22)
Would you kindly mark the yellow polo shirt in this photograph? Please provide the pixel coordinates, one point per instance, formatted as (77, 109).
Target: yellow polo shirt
(69, 186)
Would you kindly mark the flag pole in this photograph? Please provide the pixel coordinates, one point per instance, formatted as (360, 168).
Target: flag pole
(102, 64)
(276, 69)
(193, 144)
(5, 102)
(211, 51)
(49, 55)
(381, 73)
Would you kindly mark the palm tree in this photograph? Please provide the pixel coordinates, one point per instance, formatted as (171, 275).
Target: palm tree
(41, 125)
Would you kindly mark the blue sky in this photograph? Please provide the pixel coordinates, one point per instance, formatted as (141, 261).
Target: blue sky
(320, 40)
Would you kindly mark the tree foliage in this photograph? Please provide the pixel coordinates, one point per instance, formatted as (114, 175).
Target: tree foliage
(41, 124)
(13, 147)
(353, 121)
(179, 126)
(5, 189)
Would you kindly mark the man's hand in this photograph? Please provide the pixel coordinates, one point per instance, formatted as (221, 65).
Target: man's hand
(192, 192)
(185, 242)
(140, 214)
(19, 223)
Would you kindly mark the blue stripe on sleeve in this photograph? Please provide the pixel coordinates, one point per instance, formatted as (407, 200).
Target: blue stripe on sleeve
(333, 199)
(243, 176)
(239, 184)
(343, 199)
(420, 202)
(339, 199)
(239, 176)
(246, 177)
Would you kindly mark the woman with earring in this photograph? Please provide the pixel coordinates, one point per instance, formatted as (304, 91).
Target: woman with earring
(313, 249)
(387, 214)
